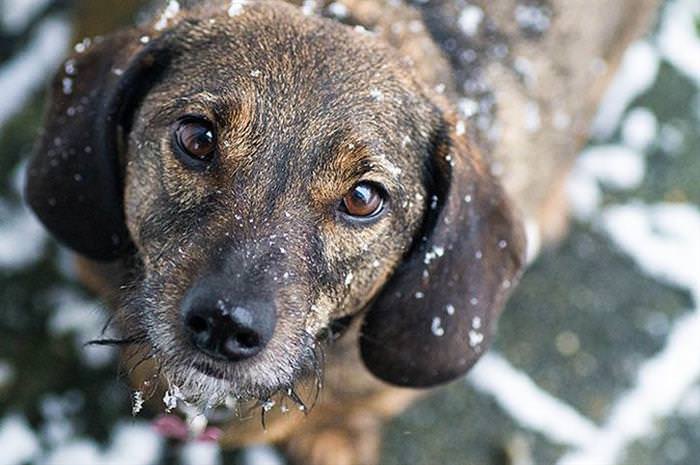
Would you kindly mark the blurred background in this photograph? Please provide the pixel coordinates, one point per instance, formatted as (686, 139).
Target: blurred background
(597, 358)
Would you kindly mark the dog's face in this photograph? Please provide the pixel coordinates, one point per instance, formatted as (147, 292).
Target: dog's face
(270, 173)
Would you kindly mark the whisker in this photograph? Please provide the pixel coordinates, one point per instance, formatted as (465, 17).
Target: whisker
(114, 341)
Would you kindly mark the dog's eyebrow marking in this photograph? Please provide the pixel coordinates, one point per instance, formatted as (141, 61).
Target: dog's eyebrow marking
(219, 106)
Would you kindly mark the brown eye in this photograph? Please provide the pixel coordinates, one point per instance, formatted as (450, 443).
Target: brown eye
(195, 140)
(363, 201)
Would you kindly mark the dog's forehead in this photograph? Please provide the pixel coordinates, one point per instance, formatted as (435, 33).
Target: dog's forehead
(303, 86)
(290, 58)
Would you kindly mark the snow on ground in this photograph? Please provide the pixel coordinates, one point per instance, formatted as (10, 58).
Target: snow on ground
(678, 40)
(85, 320)
(18, 442)
(637, 73)
(26, 73)
(21, 237)
(16, 14)
(262, 455)
(662, 239)
(528, 404)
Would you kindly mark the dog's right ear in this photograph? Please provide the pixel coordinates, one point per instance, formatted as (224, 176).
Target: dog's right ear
(74, 180)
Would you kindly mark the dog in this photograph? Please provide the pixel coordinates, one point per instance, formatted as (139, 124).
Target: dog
(277, 202)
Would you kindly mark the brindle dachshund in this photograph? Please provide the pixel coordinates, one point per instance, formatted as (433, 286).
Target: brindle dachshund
(249, 182)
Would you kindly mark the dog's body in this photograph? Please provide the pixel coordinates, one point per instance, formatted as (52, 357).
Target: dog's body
(304, 109)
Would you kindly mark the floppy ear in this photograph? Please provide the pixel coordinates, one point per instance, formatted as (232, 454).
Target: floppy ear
(73, 182)
(434, 318)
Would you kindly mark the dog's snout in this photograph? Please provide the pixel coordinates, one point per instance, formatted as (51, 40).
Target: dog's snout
(226, 330)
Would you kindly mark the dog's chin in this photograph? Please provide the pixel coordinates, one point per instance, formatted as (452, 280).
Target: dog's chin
(208, 383)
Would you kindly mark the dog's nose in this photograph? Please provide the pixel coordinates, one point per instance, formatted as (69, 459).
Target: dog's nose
(228, 331)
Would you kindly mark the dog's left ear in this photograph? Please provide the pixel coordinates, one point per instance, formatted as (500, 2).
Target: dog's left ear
(74, 180)
(434, 317)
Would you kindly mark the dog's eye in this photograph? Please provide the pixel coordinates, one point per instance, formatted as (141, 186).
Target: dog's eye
(195, 139)
(365, 200)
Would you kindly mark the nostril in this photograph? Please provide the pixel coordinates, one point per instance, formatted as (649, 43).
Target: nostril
(197, 324)
(247, 339)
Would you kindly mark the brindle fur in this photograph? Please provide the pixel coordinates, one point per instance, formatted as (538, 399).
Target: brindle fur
(305, 107)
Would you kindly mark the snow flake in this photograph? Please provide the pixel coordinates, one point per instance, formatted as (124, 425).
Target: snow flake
(476, 322)
(436, 327)
(67, 84)
(236, 7)
(137, 402)
(376, 94)
(268, 405)
(436, 252)
(475, 338)
(338, 10)
(470, 20)
(169, 13)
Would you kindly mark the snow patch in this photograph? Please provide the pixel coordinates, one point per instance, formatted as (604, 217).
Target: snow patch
(22, 238)
(201, 453)
(85, 319)
(470, 19)
(528, 404)
(15, 15)
(614, 166)
(28, 70)
(678, 39)
(639, 129)
(18, 442)
(262, 455)
(664, 241)
(637, 73)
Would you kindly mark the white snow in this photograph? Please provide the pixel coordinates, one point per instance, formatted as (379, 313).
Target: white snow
(200, 453)
(18, 442)
(614, 166)
(637, 73)
(22, 237)
(639, 128)
(236, 7)
(664, 241)
(27, 71)
(170, 11)
(531, 406)
(532, 17)
(678, 39)
(262, 455)
(16, 14)
(659, 388)
(436, 327)
(134, 443)
(85, 319)
(80, 451)
(470, 19)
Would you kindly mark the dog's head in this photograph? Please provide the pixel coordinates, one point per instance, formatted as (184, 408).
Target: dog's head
(270, 173)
